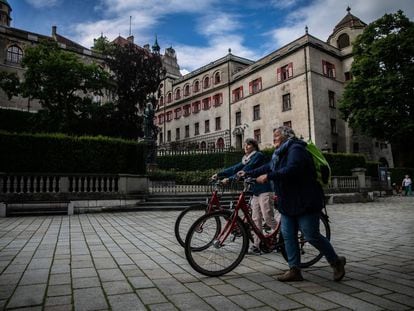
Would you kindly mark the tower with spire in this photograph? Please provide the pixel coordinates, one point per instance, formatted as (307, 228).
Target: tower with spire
(5, 10)
(156, 48)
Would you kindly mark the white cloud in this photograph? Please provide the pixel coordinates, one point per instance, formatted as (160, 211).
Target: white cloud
(223, 30)
(218, 24)
(158, 7)
(43, 3)
(217, 48)
(283, 4)
(112, 28)
(322, 16)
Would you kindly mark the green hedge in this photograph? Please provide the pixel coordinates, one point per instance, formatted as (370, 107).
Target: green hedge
(341, 163)
(198, 161)
(58, 153)
(184, 178)
(16, 121)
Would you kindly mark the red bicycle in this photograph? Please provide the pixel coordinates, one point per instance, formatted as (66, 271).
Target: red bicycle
(217, 242)
(187, 217)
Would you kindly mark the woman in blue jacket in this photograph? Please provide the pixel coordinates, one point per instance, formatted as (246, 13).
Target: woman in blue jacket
(300, 200)
(261, 204)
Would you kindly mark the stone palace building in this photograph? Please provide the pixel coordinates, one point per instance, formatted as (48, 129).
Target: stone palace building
(298, 85)
(232, 98)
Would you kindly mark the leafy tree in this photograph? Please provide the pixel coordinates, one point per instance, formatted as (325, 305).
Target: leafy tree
(136, 74)
(9, 83)
(379, 101)
(61, 82)
(102, 45)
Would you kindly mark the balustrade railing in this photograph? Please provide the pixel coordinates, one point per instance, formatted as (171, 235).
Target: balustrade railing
(71, 183)
(122, 183)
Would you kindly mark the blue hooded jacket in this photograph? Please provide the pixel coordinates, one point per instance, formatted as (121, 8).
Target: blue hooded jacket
(294, 176)
(257, 159)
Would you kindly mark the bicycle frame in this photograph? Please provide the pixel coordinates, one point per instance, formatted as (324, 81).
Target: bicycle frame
(241, 205)
(213, 203)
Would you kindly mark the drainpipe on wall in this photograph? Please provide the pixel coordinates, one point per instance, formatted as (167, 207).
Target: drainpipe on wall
(307, 89)
(229, 94)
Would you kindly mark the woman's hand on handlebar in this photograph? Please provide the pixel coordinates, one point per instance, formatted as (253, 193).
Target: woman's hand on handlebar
(241, 174)
(214, 177)
(262, 179)
(225, 181)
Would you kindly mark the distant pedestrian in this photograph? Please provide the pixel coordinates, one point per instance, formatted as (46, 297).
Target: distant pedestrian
(406, 185)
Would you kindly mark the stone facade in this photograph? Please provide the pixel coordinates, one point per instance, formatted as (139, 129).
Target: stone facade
(297, 85)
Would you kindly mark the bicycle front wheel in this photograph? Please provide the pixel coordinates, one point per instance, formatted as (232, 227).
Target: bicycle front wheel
(206, 250)
(185, 219)
(309, 255)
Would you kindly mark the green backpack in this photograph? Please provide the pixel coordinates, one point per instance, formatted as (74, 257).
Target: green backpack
(323, 170)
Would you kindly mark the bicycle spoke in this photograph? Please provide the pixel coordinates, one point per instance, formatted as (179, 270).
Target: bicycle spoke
(209, 256)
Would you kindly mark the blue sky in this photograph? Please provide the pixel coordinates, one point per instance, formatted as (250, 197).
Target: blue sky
(200, 31)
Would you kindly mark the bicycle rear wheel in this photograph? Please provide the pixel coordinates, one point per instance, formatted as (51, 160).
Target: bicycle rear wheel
(309, 255)
(186, 218)
(206, 254)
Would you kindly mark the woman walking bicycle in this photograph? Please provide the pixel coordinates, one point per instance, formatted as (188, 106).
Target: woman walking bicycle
(261, 204)
(300, 201)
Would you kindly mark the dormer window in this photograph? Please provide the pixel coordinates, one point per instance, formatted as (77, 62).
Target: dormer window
(343, 41)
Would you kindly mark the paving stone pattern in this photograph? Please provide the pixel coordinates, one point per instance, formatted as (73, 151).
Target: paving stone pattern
(131, 261)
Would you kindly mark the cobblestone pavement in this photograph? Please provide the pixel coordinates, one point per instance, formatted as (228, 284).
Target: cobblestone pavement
(131, 261)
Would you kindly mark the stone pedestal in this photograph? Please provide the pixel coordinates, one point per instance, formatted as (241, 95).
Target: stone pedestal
(360, 173)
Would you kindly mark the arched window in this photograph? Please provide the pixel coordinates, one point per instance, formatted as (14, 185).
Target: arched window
(161, 101)
(343, 41)
(187, 90)
(177, 94)
(14, 54)
(220, 143)
(206, 82)
(196, 86)
(203, 145)
(169, 97)
(217, 78)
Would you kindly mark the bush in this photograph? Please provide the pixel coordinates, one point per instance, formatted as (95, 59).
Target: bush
(58, 153)
(343, 163)
(184, 178)
(15, 120)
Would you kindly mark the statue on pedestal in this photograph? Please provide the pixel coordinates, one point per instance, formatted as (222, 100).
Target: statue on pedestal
(150, 133)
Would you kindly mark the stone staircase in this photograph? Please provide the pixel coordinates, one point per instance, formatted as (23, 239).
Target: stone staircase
(177, 201)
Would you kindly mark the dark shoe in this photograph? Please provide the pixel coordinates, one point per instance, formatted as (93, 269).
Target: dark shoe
(293, 275)
(255, 250)
(339, 268)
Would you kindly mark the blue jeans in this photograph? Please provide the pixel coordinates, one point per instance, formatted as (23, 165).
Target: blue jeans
(309, 224)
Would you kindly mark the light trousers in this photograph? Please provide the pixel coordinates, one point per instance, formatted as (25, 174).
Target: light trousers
(262, 208)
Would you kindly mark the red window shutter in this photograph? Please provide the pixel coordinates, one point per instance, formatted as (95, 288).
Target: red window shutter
(279, 74)
(260, 83)
(241, 92)
(290, 70)
(250, 87)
